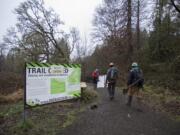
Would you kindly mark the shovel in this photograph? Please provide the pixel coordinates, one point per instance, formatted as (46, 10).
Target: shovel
(125, 90)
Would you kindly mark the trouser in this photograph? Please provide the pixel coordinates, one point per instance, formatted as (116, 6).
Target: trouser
(95, 86)
(111, 89)
(134, 91)
(95, 81)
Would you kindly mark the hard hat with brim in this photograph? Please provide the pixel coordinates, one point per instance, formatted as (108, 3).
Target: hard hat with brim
(134, 64)
(111, 64)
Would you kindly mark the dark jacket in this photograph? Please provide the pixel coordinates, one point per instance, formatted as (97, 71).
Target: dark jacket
(135, 74)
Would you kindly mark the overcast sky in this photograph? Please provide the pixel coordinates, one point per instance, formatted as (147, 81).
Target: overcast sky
(75, 13)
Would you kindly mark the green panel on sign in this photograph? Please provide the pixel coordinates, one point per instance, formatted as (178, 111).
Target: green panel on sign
(74, 77)
(57, 86)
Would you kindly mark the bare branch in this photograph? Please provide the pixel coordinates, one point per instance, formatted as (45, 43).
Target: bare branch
(175, 6)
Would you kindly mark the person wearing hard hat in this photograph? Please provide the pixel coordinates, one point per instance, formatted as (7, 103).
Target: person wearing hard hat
(135, 82)
(111, 79)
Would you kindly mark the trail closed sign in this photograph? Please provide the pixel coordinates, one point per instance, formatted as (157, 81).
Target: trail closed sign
(48, 83)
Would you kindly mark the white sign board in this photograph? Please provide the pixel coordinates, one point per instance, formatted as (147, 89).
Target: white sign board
(47, 83)
(101, 82)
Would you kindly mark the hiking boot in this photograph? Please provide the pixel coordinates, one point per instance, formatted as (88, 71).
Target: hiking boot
(129, 101)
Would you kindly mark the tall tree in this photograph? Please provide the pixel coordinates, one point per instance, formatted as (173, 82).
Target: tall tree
(33, 17)
(38, 31)
(110, 26)
(129, 30)
(138, 24)
(108, 21)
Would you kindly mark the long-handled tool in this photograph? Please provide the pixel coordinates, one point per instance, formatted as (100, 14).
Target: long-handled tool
(125, 90)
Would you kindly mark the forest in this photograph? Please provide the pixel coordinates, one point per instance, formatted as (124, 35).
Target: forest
(64, 101)
(124, 31)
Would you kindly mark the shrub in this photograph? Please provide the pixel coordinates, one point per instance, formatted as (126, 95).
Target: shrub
(10, 82)
(88, 95)
(13, 97)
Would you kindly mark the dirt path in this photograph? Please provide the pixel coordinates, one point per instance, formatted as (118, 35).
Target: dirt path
(115, 118)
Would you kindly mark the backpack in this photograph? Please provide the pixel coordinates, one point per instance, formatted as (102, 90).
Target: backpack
(138, 76)
(112, 74)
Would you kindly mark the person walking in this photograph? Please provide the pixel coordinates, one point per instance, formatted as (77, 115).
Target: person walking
(95, 77)
(135, 83)
(111, 79)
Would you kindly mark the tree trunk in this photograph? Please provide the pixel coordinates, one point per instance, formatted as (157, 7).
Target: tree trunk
(160, 8)
(138, 26)
(129, 32)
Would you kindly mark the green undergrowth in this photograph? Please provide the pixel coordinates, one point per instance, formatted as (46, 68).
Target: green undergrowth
(11, 109)
(163, 100)
(69, 119)
(22, 127)
(46, 120)
(89, 95)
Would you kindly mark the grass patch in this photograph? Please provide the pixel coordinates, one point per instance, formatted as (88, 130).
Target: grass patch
(8, 110)
(177, 118)
(12, 98)
(22, 127)
(163, 100)
(46, 120)
(70, 119)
